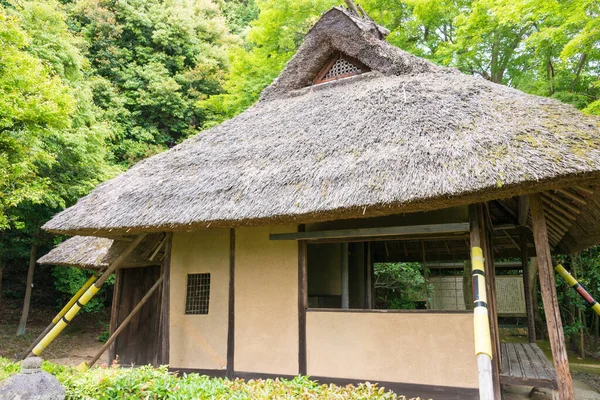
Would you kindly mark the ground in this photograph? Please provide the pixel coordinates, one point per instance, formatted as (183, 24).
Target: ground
(77, 343)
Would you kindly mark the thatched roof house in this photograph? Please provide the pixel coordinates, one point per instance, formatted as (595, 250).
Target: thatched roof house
(358, 153)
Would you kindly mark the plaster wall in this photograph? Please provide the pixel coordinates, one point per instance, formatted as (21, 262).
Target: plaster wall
(266, 302)
(199, 341)
(421, 348)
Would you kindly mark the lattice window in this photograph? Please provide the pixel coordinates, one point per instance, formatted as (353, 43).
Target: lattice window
(198, 293)
(340, 66)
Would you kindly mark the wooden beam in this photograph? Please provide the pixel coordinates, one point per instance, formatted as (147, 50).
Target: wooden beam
(573, 196)
(231, 308)
(585, 190)
(551, 309)
(527, 287)
(562, 202)
(302, 304)
(165, 303)
(374, 232)
(126, 321)
(565, 222)
(523, 210)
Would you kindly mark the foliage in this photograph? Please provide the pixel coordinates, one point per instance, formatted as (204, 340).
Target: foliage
(158, 60)
(399, 286)
(68, 280)
(157, 383)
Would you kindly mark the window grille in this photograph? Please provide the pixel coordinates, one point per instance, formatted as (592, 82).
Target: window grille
(340, 66)
(198, 293)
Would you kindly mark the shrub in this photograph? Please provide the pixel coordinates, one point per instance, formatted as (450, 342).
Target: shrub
(157, 383)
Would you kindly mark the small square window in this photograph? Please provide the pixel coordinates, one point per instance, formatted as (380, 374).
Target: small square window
(198, 294)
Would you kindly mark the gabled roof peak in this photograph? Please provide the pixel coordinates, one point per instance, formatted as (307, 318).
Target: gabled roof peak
(340, 30)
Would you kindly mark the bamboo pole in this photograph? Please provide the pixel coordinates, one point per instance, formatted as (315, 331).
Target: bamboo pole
(60, 314)
(551, 309)
(481, 325)
(124, 323)
(84, 299)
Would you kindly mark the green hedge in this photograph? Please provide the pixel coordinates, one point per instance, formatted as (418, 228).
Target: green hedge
(157, 383)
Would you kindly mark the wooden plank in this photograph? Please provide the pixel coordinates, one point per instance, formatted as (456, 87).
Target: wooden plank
(551, 309)
(374, 232)
(505, 365)
(537, 363)
(513, 361)
(231, 308)
(528, 365)
(302, 304)
(545, 362)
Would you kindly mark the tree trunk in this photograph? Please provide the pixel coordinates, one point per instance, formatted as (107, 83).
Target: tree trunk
(27, 299)
(1, 270)
(581, 345)
(580, 65)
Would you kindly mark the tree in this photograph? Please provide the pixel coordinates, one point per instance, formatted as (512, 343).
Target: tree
(158, 60)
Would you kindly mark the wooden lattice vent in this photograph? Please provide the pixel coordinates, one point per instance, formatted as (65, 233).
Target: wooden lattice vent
(340, 66)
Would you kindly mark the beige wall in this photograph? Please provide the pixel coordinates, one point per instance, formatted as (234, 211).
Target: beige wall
(424, 348)
(199, 341)
(266, 302)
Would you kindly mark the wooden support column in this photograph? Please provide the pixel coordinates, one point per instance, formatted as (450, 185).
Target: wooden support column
(114, 314)
(367, 270)
(345, 283)
(527, 286)
(165, 301)
(302, 303)
(467, 286)
(555, 328)
(231, 308)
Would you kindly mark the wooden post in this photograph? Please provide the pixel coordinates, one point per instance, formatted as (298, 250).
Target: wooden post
(527, 285)
(114, 313)
(345, 286)
(484, 362)
(231, 308)
(302, 303)
(467, 286)
(27, 300)
(368, 277)
(555, 328)
(165, 302)
(125, 322)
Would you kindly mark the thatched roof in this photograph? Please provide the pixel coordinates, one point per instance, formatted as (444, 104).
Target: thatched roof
(97, 252)
(407, 136)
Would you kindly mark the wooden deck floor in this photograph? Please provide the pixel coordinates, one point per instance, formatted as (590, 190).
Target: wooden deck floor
(525, 364)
